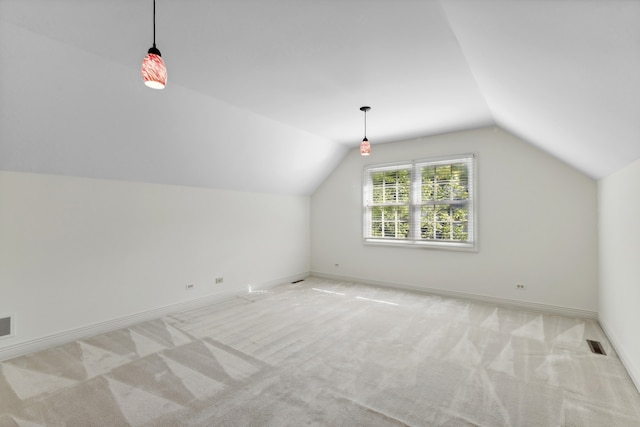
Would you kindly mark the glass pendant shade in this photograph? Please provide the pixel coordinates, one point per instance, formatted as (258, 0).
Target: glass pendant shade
(154, 70)
(365, 147)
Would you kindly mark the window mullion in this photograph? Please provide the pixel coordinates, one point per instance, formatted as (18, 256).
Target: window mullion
(414, 203)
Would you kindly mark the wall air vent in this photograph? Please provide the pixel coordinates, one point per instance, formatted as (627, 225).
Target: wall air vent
(596, 347)
(5, 327)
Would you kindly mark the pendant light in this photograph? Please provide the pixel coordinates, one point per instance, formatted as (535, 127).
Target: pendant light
(154, 71)
(365, 147)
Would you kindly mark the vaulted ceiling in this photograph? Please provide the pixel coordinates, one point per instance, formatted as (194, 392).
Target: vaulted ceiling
(264, 95)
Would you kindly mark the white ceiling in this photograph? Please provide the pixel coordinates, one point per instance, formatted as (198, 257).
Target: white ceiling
(264, 95)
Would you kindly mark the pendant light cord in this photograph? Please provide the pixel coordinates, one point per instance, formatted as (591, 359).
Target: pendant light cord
(364, 109)
(154, 23)
(365, 124)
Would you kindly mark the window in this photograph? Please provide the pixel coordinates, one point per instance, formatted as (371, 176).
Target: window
(425, 203)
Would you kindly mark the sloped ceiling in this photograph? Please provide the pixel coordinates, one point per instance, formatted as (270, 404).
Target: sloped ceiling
(264, 95)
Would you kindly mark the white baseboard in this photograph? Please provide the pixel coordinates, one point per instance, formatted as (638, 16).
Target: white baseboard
(627, 361)
(502, 302)
(60, 338)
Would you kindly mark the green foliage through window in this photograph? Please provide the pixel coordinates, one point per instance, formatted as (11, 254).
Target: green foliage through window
(421, 202)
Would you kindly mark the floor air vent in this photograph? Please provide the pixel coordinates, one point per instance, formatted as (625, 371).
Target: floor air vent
(5, 327)
(596, 347)
(298, 281)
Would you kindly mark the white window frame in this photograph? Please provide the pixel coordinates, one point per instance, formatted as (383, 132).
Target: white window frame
(415, 204)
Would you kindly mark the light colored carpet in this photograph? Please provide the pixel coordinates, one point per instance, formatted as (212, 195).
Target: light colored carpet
(324, 353)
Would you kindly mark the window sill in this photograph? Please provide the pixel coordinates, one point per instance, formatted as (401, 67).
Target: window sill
(446, 246)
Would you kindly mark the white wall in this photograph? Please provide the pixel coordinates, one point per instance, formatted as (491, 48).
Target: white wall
(619, 311)
(536, 216)
(75, 252)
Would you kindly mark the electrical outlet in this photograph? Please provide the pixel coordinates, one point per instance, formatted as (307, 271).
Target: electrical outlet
(219, 280)
(190, 286)
(520, 286)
